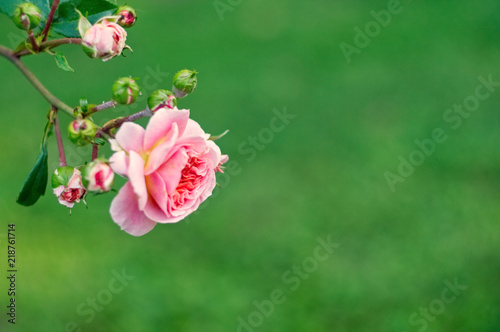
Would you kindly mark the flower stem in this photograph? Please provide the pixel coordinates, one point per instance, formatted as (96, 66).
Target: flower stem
(95, 147)
(102, 107)
(50, 44)
(34, 44)
(115, 123)
(45, 32)
(34, 81)
(60, 146)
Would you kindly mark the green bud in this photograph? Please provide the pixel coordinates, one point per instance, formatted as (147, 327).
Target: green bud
(184, 82)
(161, 98)
(125, 91)
(82, 131)
(128, 17)
(27, 16)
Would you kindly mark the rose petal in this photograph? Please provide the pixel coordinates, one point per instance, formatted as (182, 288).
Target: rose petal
(161, 151)
(161, 123)
(154, 212)
(171, 170)
(114, 145)
(156, 188)
(130, 137)
(136, 177)
(125, 212)
(193, 129)
(119, 163)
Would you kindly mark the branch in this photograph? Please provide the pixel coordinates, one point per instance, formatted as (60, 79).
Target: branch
(45, 32)
(115, 123)
(60, 146)
(50, 44)
(102, 107)
(34, 81)
(95, 147)
(31, 37)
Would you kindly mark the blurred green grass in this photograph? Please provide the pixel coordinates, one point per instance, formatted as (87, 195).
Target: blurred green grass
(323, 175)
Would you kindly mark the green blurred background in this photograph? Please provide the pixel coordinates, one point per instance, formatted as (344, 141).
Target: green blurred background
(321, 176)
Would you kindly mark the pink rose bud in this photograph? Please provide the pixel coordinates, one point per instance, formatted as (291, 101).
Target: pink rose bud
(161, 99)
(104, 40)
(128, 17)
(67, 185)
(98, 176)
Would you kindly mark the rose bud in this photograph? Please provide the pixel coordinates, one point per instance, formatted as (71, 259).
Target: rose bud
(81, 131)
(184, 82)
(27, 16)
(104, 40)
(98, 176)
(127, 16)
(67, 185)
(125, 90)
(160, 99)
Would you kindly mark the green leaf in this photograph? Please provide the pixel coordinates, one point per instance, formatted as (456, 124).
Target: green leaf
(66, 22)
(8, 6)
(35, 184)
(62, 62)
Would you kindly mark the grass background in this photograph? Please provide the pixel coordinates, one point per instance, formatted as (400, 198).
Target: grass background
(323, 175)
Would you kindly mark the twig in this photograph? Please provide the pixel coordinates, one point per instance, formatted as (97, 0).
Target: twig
(95, 147)
(115, 123)
(33, 42)
(60, 146)
(51, 44)
(102, 107)
(45, 32)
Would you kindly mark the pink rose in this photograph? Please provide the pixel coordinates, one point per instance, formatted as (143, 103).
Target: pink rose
(67, 186)
(171, 168)
(104, 40)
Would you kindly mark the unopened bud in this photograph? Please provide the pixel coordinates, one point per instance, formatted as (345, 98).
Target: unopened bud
(67, 185)
(125, 91)
(184, 82)
(81, 131)
(27, 16)
(128, 17)
(160, 99)
(104, 40)
(98, 176)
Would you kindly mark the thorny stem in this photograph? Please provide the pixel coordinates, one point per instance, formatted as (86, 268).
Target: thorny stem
(51, 44)
(34, 81)
(60, 146)
(45, 32)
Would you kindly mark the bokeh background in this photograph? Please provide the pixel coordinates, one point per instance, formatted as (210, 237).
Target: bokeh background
(322, 176)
